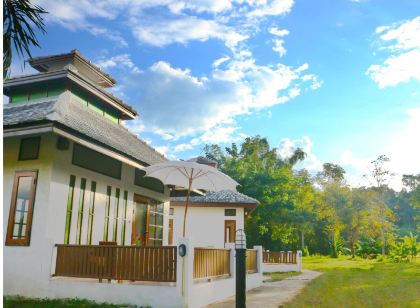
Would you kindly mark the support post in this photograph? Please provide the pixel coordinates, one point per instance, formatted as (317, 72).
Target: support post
(240, 278)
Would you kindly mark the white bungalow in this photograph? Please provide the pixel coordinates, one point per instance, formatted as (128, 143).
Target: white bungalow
(77, 209)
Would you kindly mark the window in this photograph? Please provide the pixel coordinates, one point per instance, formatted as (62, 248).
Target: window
(171, 211)
(69, 209)
(29, 148)
(95, 161)
(117, 204)
(21, 208)
(124, 218)
(80, 211)
(230, 212)
(155, 224)
(107, 209)
(91, 211)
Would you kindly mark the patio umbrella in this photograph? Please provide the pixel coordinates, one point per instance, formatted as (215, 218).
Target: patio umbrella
(190, 175)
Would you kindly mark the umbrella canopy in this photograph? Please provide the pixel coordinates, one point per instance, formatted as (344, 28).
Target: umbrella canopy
(180, 173)
(192, 176)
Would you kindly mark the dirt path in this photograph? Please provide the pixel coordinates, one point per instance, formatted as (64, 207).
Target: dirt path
(272, 294)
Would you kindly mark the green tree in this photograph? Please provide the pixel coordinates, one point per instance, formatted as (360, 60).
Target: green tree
(20, 17)
(381, 177)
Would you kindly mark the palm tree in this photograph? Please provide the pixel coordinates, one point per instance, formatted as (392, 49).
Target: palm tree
(19, 19)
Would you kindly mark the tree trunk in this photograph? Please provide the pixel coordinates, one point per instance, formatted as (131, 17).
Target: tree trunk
(302, 239)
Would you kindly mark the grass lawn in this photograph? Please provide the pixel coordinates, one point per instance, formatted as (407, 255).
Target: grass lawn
(21, 302)
(360, 283)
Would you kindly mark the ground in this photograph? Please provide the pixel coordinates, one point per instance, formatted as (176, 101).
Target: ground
(20, 302)
(360, 283)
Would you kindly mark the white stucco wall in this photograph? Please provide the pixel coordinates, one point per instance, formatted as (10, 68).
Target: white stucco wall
(205, 225)
(30, 266)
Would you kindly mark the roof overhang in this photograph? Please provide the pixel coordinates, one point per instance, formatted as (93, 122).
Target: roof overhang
(127, 112)
(216, 204)
(49, 63)
(63, 131)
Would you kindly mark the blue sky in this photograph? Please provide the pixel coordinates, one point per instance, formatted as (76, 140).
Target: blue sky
(339, 78)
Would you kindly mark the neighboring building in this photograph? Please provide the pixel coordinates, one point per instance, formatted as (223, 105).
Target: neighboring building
(72, 172)
(212, 218)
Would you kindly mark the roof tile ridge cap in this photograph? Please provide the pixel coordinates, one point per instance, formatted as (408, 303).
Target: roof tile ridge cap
(61, 107)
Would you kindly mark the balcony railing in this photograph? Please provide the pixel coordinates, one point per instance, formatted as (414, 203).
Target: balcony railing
(117, 262)
(251, 261)
(279, 257)
(211, 262)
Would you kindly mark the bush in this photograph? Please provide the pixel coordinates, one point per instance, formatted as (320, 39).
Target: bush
(405, 249)
(368, 249)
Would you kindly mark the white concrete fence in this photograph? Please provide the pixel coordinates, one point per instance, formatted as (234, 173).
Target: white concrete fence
(210, 284)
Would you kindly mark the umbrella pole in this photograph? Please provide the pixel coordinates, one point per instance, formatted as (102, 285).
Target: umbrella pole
(186, 204)
(183, 229)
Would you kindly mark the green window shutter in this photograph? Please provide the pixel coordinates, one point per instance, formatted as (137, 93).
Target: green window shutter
(80, 211)
(29, 148)
(95, 161)
(124, 218)
(107, 208)
(91, 212)
(69, 209)
(117, 204)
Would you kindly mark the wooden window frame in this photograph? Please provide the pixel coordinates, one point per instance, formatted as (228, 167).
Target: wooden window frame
(10, 241)
(20, 148)
(69, 210)
(232, 225)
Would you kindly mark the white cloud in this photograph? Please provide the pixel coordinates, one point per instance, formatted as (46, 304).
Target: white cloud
(402, 148)
(75, 15)
(402, 41)
(182, 30)
(278, 32)
(122, 60)
(271, 8)
(287, 147)
(179, 103)
(278, 47)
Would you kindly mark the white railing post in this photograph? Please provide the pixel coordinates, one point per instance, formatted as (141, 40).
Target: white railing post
(259, 258)
(232, 264)
(299, 260)
(185, 270)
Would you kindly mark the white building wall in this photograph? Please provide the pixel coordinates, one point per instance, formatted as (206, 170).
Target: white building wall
(27, 269)
(206, 225)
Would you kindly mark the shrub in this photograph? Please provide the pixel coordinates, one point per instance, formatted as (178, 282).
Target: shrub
(405, 249)
(368, 249)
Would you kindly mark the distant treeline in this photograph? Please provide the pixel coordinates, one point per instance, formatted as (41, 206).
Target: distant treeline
(319, 213)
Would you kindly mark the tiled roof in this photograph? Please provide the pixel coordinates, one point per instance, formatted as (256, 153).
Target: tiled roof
(223, 196)
(66, 110)
(202, 160)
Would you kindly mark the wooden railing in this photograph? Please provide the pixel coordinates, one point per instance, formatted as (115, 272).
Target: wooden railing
(211, 262)
(117, 262)
(251, 261)
(280, 257)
